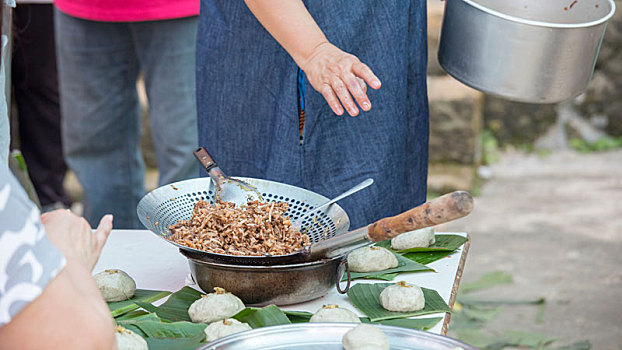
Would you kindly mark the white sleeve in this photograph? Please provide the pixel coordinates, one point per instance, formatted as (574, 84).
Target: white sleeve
(28, 260)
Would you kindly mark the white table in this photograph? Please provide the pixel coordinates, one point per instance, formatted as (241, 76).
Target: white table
(156, 264)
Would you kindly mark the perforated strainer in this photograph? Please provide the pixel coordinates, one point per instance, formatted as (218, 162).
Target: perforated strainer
(168, 204)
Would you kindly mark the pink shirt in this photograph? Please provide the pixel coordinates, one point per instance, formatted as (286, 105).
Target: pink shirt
(128, 10)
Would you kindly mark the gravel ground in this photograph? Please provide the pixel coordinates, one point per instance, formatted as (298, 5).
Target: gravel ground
(555, 224)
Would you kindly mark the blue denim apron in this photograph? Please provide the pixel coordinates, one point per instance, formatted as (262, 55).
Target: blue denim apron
(250, 96)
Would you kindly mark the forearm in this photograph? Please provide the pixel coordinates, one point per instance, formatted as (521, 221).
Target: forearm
(69, 314)
(289, 22)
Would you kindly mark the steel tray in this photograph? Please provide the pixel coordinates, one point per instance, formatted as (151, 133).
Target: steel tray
(326, 336)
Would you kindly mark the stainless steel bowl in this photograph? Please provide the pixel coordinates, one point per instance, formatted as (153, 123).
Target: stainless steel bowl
(264, 285)
(524, 50)
(327, 336)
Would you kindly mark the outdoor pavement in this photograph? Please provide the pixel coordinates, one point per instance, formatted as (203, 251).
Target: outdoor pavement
(555, 224)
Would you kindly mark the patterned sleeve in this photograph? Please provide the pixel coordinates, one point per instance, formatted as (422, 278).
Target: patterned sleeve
(28, 260)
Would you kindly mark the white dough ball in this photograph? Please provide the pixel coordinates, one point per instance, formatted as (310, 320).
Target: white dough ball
(365, 337)
(215, 307)
(368, 259)
(402, 297)
(333, 313)
(223, 328)
(115, 285)
(128, 340)
(422, 238)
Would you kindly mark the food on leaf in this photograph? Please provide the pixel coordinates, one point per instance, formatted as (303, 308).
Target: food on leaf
(223, 328)
(402, 297)
(368, 259)
(333, 313)
(128, 340)
(215, 306)
(115, 285)
(422, 238)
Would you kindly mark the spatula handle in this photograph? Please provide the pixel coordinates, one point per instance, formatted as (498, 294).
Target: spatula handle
(205, 159)
(445, 208)
(212, 168)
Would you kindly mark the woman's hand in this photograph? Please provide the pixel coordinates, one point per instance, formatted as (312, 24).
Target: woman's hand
(72, 235)
(339, 76)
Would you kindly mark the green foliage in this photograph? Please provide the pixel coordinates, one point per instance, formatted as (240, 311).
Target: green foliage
(602, 144)
(490, 148)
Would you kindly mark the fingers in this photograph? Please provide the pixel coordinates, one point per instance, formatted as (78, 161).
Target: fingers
(364, 72)
(103, 230)
(331, 99)
(344, 96)
(362, 83)
(342, 79)
(355, 89)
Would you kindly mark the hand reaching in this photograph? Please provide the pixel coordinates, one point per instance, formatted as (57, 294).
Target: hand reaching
(72, 235)
(338, 76)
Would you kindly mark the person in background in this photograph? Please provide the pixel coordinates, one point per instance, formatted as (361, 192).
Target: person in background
(279, 97)
(35, 90)
(102, 46)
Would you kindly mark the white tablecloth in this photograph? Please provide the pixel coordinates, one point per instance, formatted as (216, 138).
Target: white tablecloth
(156, 264)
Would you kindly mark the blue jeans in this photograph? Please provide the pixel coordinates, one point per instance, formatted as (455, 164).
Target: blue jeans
(98, 66)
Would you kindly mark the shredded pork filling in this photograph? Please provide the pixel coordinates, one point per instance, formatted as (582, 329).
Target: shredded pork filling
(257, 229)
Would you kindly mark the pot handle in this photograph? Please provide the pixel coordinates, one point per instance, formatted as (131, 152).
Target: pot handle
(344, 291)
(445, 208)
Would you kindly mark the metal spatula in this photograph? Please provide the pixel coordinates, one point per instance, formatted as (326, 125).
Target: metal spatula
(227, 189)
(306, 218)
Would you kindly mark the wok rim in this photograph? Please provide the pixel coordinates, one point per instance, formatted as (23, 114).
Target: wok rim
(322, 261)
(254, 260)
(536, 23)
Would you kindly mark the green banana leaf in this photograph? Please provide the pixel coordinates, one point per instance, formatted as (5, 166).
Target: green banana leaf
(262, 317)
(131, 315)
(158, 329)
(404, 265)
(366, 297)
(118, 308)
(175, 308)
(421, 324)
(190, 343)
(137, 316)
(425, 258)
(412, 323)
(446, 243)
(298, 316)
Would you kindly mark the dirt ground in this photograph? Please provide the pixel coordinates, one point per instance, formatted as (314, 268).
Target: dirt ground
(555, 224)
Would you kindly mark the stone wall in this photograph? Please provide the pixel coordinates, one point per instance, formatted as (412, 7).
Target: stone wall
(522, 124)
(602, 103)
(455, 119)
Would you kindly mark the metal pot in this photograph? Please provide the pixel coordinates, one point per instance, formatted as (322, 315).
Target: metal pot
(264, 285)
(524, 50)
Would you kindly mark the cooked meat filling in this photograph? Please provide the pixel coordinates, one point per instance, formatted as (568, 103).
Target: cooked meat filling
(256, 229)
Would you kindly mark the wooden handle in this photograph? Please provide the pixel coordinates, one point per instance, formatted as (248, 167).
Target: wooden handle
(205, 159)
(445, 208)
